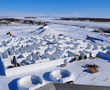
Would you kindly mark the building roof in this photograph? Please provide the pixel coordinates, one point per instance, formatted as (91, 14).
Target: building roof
(72, 87)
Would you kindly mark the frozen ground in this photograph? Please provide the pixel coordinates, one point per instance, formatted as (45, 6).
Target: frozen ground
(53, 44)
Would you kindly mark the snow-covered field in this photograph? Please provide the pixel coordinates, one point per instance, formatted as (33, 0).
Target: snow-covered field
(32, 55)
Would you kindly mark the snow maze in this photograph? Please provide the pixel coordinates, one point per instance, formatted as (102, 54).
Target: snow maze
(16, 52)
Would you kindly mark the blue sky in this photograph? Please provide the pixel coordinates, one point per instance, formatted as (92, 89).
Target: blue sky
(84, 8)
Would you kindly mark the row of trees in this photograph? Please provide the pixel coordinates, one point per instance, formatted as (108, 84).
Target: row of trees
(87, 19)
(7, 21)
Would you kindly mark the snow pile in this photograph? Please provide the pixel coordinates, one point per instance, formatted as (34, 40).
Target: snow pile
(28, 82)
(55, 75)
(61, 76)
